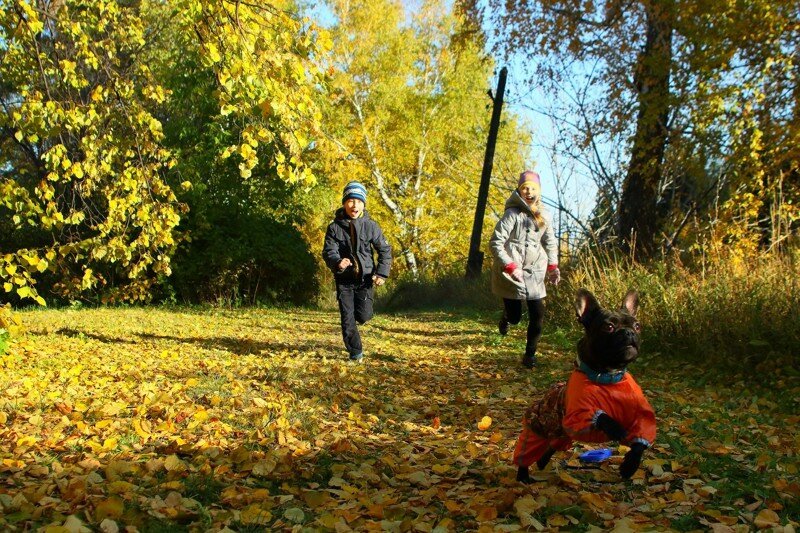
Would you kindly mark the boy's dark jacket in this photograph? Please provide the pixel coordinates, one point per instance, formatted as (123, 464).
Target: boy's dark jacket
(367, 235)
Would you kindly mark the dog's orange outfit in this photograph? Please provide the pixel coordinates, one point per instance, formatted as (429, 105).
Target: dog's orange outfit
(567, 412)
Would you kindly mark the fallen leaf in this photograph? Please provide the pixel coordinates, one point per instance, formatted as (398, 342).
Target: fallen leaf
(264, 467)
(111, 508)
(255, 515)
(174, 464)
(525, 508)
(595, 500)
(486, 514)
(109, 526)
(293, 514)
(73, 524)
(767, 518)
(568, 479)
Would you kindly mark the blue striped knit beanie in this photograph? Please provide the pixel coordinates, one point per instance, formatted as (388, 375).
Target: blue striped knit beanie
(354, 189)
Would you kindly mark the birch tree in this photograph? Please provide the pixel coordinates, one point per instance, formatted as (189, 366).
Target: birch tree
(409, 118)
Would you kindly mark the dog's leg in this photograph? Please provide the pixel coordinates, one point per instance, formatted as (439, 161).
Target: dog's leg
(632, 460)
(544, 459)
(609, 426)
(523, 473)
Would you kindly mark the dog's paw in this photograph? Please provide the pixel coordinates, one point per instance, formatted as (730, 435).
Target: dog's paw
(522, 475)
(610, 427)
(630, 464)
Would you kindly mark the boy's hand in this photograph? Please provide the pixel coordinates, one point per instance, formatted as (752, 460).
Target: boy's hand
(377, 280)
(344, 263)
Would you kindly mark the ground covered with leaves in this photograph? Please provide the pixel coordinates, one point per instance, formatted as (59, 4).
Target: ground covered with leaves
(249, 420)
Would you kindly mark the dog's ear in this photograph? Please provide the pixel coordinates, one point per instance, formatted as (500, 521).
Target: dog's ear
(585, 305)
(631, 303)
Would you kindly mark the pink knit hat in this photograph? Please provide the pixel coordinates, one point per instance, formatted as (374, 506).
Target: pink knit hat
(529, 176)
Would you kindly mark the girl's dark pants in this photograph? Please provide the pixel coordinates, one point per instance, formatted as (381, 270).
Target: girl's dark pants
(512, 310)
(355, 306)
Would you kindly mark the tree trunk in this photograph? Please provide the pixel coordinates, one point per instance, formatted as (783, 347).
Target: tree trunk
(639, 218)
(406, 230)
(411, 262)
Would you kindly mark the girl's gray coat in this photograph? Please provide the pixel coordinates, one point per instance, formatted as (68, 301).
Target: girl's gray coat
(518, 239)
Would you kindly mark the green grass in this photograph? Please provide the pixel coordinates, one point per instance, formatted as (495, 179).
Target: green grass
(204, 488)
(158, 525)
(248, 528)
(4, 338)
(322, 471)
(687, 522)
(450, 290)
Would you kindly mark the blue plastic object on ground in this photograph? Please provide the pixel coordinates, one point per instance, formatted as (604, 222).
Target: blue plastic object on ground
(595, 456)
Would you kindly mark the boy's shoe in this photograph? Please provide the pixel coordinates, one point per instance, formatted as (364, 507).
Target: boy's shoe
(529, 361)
(502, 326)
(356, 357)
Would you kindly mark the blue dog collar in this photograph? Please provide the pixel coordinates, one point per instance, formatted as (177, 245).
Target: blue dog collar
(604, 378)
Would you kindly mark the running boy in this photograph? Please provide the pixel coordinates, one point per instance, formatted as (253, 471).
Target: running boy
(348, 252)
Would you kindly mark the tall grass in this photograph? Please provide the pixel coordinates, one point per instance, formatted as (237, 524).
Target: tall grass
(718, 311)
(721, 311)
(447, 291)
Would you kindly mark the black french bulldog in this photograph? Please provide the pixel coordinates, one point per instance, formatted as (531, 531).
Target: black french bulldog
(601, 401)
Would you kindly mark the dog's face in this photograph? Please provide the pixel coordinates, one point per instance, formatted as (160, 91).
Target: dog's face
(611, 341)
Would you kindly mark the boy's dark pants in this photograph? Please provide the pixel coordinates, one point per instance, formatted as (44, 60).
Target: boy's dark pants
(355, 306)
(513, 313)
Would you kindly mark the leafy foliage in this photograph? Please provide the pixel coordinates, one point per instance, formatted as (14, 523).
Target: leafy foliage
(82, 160)
(9, 323)
(448, 290)
(719, 148)
(85, 176)
(261, 57)
(253, 420)
(241, 244)
(244, 259)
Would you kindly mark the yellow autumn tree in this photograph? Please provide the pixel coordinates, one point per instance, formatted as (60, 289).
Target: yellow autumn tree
(409, 118)
(83, 196)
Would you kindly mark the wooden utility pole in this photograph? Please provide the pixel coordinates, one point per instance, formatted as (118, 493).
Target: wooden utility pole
(475, 258)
